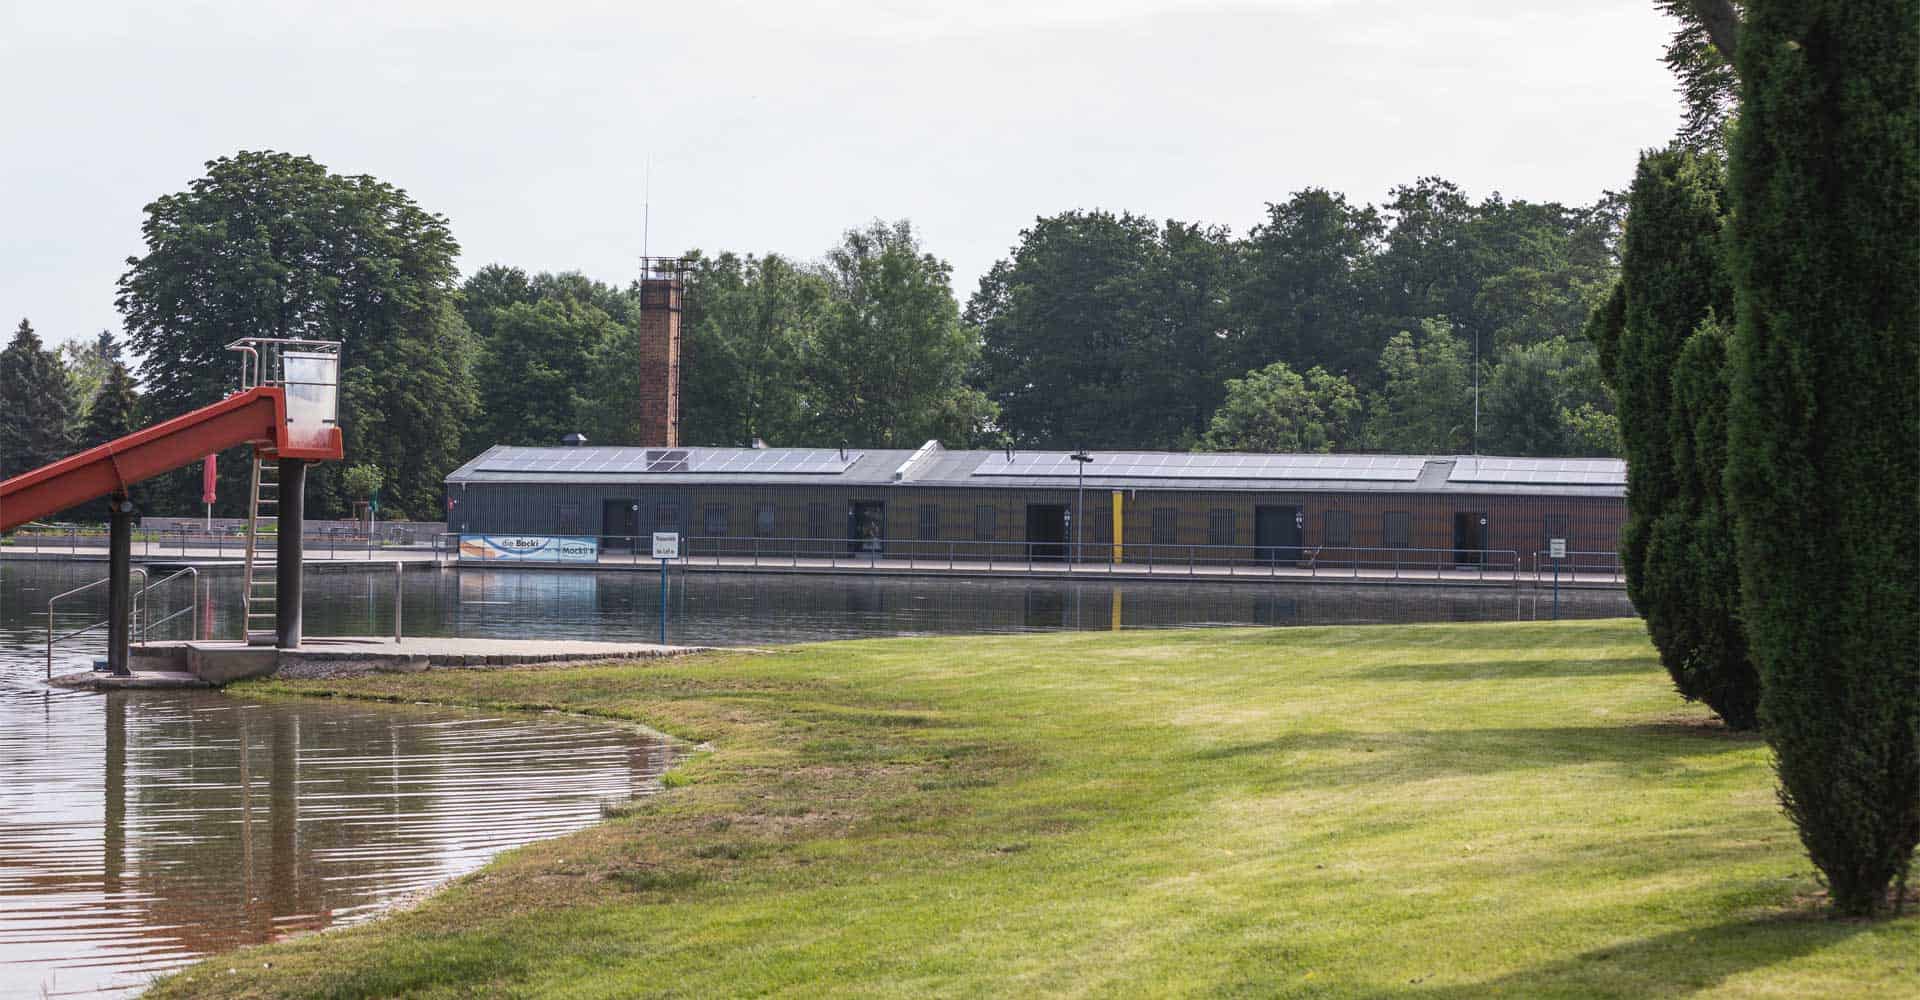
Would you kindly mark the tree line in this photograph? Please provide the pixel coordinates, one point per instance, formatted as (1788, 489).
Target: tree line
(1431, 323)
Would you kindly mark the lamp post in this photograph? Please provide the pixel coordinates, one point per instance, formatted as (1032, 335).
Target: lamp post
(1080, 503)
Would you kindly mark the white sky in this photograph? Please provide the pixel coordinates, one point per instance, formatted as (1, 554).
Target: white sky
(773, 126)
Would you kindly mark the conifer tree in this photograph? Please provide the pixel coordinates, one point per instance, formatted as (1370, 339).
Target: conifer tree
(1673, 283)
(37, 403)
(1824, 421)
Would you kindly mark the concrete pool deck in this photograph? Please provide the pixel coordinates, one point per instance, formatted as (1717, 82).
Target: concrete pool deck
(212, 664)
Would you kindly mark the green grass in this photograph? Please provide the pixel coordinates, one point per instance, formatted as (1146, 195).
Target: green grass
(1418, 812)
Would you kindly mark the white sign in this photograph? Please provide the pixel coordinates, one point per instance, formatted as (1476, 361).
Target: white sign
(1557, 548)
(666, 545)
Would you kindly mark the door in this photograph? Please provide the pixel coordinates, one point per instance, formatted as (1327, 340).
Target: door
(866, 527)
(1469, 537)
(1047, 530)
(620, 520)
(1276, 534)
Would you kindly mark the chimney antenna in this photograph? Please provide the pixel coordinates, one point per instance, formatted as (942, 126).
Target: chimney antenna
(646, 207)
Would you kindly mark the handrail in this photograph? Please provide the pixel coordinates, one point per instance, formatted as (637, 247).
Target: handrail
(80, 590)
(141, 628)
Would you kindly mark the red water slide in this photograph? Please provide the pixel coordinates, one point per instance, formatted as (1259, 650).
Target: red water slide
(257, 416)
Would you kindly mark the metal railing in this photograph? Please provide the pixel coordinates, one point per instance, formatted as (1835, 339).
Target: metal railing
(197, 543)
(1064, 558)
(1576, 564)
(141, 623)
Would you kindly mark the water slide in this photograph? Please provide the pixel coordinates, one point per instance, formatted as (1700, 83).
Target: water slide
(256, 416)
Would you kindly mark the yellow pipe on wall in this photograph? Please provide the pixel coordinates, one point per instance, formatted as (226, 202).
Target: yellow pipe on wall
(1119, 525)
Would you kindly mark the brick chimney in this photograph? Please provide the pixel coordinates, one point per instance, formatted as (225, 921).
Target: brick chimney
(657, 404)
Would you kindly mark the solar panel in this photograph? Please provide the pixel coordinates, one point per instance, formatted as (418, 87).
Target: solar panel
(663, 461)
(1541, 471)
(1161, 465)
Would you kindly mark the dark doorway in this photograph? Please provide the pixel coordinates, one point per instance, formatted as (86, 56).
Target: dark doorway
(1469, 538)
(620, 522)
(1047, 530)
(867, 527)
(1276, 534)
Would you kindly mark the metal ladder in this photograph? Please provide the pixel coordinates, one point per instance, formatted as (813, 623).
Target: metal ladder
(262, 575)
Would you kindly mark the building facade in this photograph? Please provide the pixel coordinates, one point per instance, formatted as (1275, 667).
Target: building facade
(1122, 506)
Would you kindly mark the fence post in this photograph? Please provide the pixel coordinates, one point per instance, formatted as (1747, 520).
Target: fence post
(398, 589)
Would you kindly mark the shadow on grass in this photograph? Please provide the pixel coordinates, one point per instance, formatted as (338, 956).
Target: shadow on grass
(1493, 670)
(1415, 754)
(1676, 964)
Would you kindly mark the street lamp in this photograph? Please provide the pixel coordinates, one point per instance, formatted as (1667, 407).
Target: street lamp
(1080, 504)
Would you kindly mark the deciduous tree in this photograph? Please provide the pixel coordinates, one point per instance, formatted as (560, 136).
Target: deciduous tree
(889, 365)
(273, 245)
(1424, 404)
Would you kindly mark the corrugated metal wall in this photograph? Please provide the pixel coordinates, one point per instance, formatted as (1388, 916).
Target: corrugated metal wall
(921, 520)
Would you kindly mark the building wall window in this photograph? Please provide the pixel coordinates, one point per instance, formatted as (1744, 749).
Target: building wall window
(1339, 528)
(817, 521)
(1166, 525)
(1220, 526)
(984, 518)
(929, 527)
(764, 517)
(1100, 525)
(713, 520)
(1396, 529)
(666, 517)
(566, 519)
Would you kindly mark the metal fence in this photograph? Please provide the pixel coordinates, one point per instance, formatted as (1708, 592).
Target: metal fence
(1065, 558)
(331, 541)
(1577, 564)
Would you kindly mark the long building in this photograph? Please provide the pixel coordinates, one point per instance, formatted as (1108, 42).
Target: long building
(1116, 506)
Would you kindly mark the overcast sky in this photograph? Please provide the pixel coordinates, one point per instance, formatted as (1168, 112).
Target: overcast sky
(773, 126)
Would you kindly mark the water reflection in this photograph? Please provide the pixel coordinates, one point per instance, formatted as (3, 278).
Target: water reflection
(143, 830)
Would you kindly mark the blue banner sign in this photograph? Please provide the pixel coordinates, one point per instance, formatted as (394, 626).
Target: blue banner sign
(530, 548)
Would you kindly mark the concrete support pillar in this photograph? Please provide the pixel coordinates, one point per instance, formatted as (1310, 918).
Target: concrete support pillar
(287, 592)
(119, 583)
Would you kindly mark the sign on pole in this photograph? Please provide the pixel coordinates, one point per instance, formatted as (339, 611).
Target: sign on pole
(666, 545)
(1557, 548)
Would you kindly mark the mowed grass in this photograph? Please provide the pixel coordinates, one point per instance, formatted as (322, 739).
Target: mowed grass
(1397, 811)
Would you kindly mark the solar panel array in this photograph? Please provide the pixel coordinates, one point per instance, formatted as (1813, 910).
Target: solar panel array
(1541, 471)
(1156, 465)
(701, 461)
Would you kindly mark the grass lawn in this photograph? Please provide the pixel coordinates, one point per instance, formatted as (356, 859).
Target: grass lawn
(1446, 811)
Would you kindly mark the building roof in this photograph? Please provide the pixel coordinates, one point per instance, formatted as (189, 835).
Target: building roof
(932, 465)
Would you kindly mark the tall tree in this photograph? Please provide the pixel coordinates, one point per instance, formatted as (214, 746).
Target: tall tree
(1700, 55)
(115, 409)
(39, 404)
(114, 412)
(749, 323)
(1425, 402)
(889, 364)
(1275, 409)
(87, 366)
(1307, 272)
(1824, 421)
(273, 245)
(1674, 283)
(1530, 397)
(1061, 322)
(535, 371)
